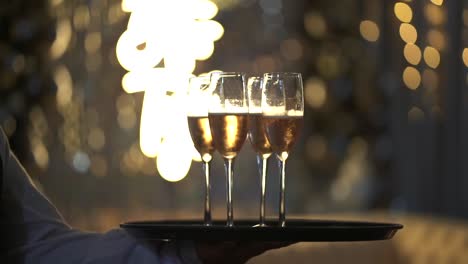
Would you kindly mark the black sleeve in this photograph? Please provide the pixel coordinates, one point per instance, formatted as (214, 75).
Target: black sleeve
(1, 181)
(32, 231)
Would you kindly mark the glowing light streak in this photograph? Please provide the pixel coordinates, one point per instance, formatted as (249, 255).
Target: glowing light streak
(176, 33)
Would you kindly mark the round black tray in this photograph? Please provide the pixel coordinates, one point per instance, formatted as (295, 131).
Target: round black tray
(294, 231)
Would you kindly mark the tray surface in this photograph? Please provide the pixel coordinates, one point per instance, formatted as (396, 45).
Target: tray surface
(296, 230)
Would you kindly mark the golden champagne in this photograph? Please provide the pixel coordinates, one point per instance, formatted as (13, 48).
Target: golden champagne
(283, 131)
(201, 134)
(257, 134)
(229, 131)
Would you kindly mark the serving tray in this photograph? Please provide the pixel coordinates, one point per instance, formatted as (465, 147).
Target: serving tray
(296, 230)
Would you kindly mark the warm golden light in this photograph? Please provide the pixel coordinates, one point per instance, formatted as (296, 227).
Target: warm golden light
(436, 39)
(430, 80)
(164, 31)
(99, 165)
(411, 78)
(176, 150)
(412, 53)
(315, 24)
(40, 154)
(316, 147)
(151, 129)
(415, 114)
(206, 132)
(408, 33)
(315, 92)
(171, 163)
(61, 42)
(434, 14)
(96, 139)
(437, 2)
(403, 12)
(81, 17)
(93, 42)
(465, 56)
(231, 127)
(465, 17)
(369, 30)
(64, 83)
(431, 57)
(114, 14)
(128, 5)
(135, 52)
(291, 49)
(205, 9)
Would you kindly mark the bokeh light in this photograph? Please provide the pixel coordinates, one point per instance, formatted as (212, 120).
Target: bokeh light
(150, 125)
(315, 24)
(415, 114)
(431, 57)
(315, 92)
(465, 17)
(64, 34)
(403, 12)
(99, 165)
(412, 53)
(96, 139)
(115, 13)
(40, 154)
(430, 80)
(369, 30)
(411, 78)
(291, 49)
(204, 9)
(64, 83)
(163, 31)
(81, 162)
(93, 42)
(408, 33)
(434, 14)
(316, 147)
(436, 39)
(465, 56)
(437, 2)
(81, 18)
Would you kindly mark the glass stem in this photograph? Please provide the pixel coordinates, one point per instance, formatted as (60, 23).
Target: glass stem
(207, 216)
(262, 166)
(282, 206)
(228, 165)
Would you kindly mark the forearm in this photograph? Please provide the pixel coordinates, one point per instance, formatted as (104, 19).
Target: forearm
(34, 232)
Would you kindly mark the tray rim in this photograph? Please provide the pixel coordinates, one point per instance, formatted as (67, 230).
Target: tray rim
(342, 231)
(197, 223)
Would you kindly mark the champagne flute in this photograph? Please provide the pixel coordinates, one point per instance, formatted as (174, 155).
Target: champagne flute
(283, 111)
(197, 117)
(228, 114)
(257, 136)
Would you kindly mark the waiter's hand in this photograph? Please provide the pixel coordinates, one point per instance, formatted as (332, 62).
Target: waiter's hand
(234, 252)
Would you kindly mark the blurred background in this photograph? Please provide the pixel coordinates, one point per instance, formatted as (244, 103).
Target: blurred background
(92, 95)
